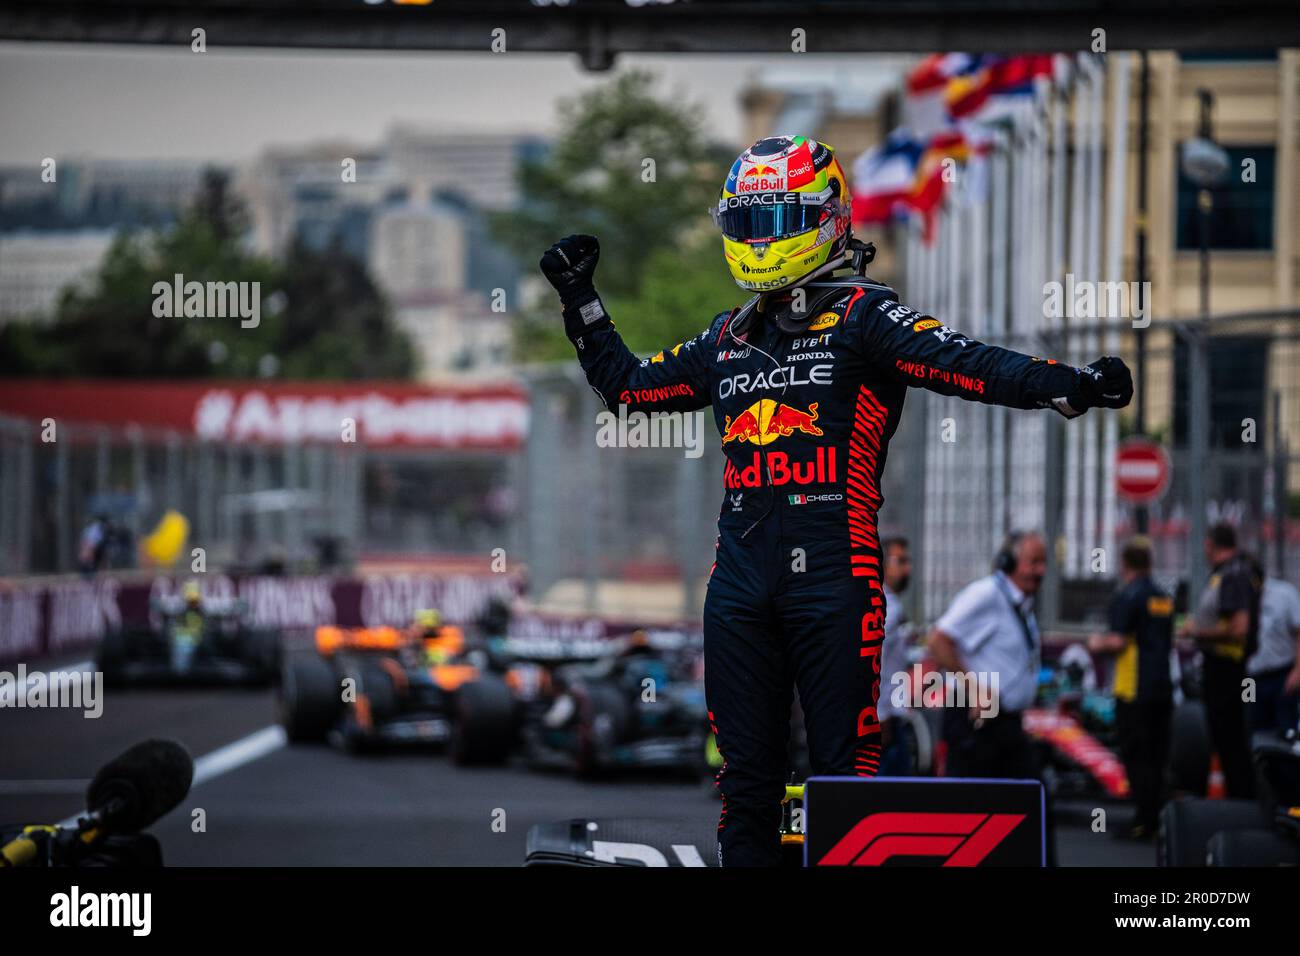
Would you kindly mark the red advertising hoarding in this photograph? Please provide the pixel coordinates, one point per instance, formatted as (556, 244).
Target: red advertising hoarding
(383, 415)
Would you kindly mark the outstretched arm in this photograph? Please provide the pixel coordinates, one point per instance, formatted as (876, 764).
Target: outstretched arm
(1124, 620)
(924, 352)
(675, 380)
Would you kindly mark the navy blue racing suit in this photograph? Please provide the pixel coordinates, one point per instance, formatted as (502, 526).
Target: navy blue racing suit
(795, 598)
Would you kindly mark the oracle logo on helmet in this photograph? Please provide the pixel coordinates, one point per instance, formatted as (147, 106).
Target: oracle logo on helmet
(759, 199)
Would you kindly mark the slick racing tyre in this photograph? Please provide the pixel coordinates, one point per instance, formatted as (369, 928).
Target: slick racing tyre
(483, 726)
(310, 698)
(1187, 826)
(1189, 751)
(1252, 848)
(920, 744)
(377, 702)
(260, 651)
(375, 681)
(604, 719)
(111, 656)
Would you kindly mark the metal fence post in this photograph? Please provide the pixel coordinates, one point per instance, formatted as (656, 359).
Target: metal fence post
(229, 500)
(261, 520)
(26, 495)
(1198, 388)
(139, 481)
(1281, 499)
(688, 516)
(103, 452)
(62, 523)
(591, 515)
(205, 493)
(356, 498)
(540, 437)
(8, 498)
(1050, 608)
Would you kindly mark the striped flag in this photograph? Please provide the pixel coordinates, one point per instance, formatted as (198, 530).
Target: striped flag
(884, 178)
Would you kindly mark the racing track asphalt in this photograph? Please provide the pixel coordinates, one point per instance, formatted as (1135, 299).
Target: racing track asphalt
(268, 804)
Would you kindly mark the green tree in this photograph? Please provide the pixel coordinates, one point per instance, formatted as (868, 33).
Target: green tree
(332, 305)
(683, 287)
(635, 169)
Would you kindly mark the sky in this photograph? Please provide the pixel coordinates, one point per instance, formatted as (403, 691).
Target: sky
(145, 102)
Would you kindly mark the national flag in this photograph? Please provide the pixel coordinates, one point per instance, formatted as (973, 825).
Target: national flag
(884, 178)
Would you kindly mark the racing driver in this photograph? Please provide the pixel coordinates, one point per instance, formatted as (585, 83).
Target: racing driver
(807, 381)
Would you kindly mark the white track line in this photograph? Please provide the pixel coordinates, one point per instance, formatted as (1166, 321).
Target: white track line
(230, 757)
(225, 759)
(9, 694)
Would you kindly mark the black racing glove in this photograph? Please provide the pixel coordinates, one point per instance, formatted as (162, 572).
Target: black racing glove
(569, 266)
(1105, 383)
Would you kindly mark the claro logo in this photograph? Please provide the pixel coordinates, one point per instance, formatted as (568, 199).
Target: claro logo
(961, 839)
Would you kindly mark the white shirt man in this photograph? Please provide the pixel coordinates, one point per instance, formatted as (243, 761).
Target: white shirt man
(897, 755)
(893, 654)
(1279, 622)
(991, 622)
(989, 634)
(1275, 666)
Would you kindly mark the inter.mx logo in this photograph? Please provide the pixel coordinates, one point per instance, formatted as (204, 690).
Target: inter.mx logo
(960, 839)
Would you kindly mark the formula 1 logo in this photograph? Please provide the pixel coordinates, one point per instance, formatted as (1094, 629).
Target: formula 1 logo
(960, 839)
(767, 420)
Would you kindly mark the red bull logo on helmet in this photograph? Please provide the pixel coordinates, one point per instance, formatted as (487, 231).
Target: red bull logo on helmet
(761, 178)
(767, 420)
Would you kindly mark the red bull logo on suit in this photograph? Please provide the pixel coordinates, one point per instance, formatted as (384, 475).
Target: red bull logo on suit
(784, 470)
(767, 420)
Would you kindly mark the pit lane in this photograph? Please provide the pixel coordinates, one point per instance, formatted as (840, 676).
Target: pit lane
(268, 804)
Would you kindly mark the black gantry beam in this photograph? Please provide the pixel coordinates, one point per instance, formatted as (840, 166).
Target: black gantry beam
(597, 30)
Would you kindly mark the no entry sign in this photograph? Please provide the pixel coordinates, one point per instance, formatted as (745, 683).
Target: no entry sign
(1141, 471)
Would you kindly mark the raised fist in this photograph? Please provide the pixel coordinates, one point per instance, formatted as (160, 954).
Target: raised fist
(1105, 383)
(570, 264)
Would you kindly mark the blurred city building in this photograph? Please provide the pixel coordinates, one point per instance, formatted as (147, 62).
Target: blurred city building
(479, 167)
(54, 234)
(455, 332)
(418, 247)
(415, 209)
(36, 267)
(92, 193)
(1254, 239)
(298, 194)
